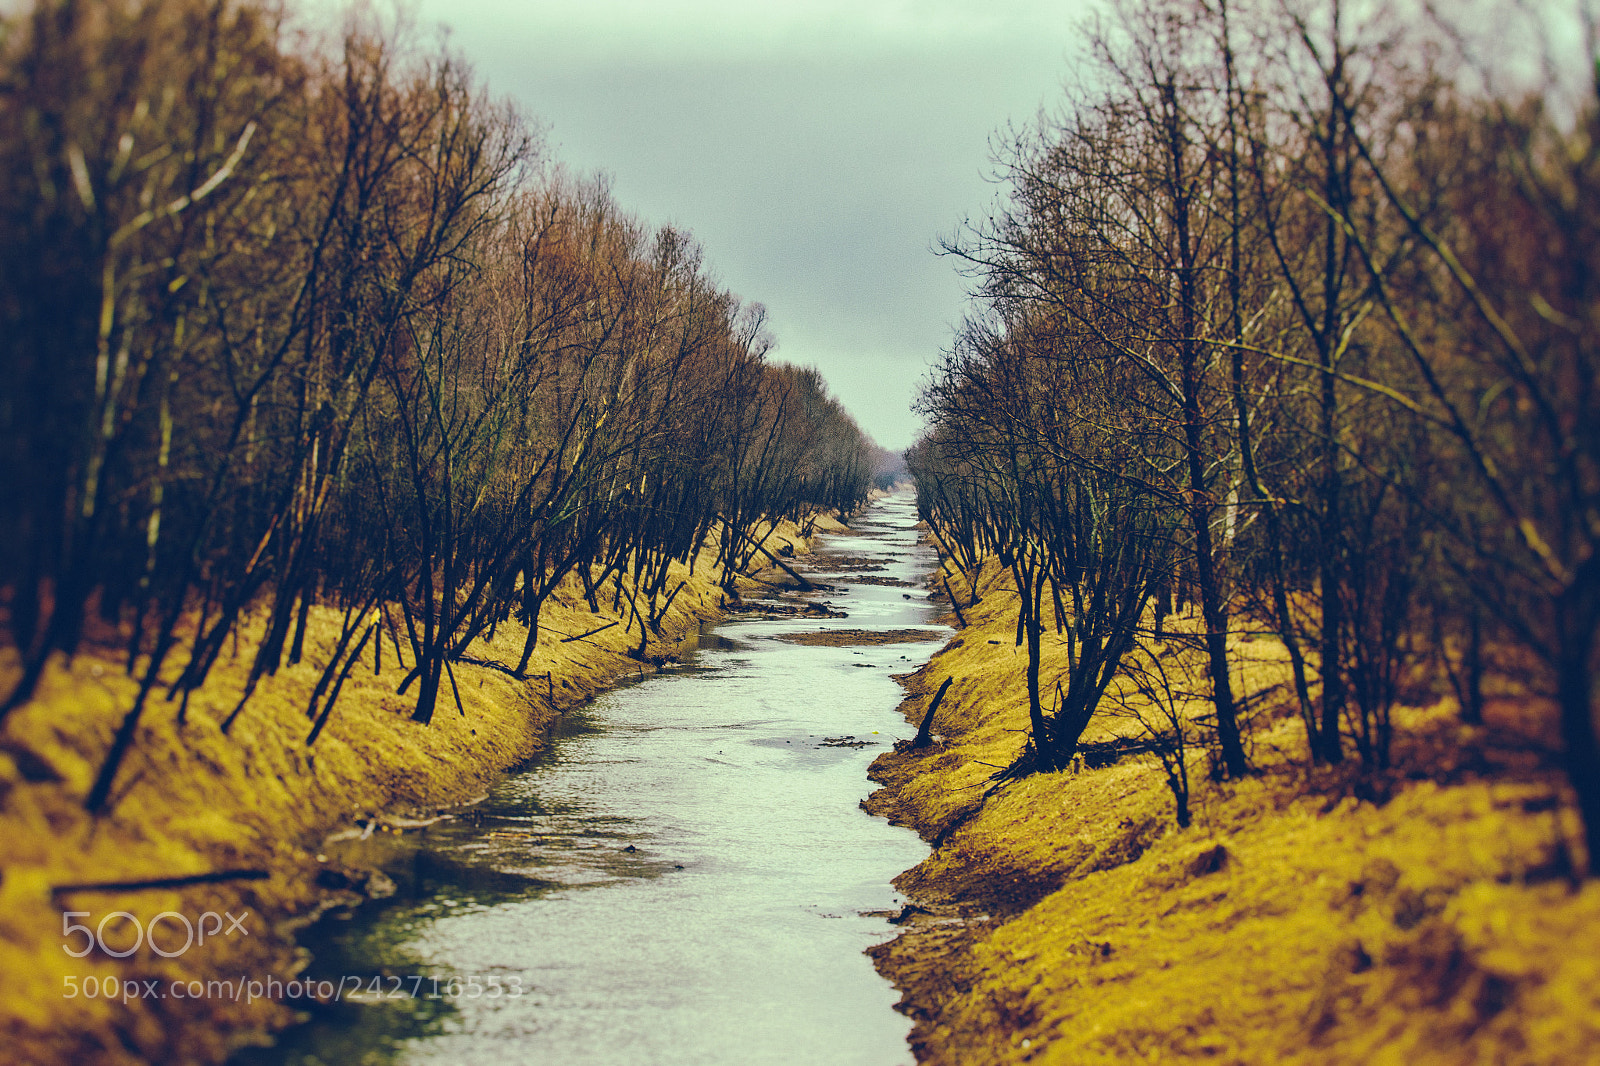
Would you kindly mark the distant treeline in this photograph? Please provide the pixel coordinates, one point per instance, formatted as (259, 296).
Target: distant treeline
(888, 468)
(286, 321)
(1293, 311)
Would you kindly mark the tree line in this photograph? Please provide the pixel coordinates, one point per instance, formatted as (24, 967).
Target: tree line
(288, 321)
(1289, 310)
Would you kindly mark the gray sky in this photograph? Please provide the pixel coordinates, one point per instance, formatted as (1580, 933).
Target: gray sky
(815, 147)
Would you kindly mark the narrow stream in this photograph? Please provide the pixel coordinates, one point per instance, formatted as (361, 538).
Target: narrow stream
(683, 877)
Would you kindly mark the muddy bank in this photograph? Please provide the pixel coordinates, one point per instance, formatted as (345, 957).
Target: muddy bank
(251, 809)
(1424, 915)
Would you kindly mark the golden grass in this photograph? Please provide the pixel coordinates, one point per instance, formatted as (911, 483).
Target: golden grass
(1291, 923)
(190, 800)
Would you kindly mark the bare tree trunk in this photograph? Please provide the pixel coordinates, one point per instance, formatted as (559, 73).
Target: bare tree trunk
(1582, 751)
(1030, 593)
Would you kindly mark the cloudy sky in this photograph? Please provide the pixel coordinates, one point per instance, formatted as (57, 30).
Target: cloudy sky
(815, 147)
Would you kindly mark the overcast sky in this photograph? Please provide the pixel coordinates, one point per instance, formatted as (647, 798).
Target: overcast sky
(815, 147)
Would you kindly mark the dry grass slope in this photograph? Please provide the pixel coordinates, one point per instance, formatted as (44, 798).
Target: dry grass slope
(191, 800)
(1423, 916)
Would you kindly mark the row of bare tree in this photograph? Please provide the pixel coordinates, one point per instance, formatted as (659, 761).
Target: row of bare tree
(1292, 307)
(287, 322)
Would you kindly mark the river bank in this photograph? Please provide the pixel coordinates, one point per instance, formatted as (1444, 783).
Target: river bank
(1423, 915)
(683, 877)
(192, 802)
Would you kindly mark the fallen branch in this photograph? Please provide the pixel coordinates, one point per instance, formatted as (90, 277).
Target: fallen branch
(779, 563)
(1098, 754)
(495, 664)
(214, 878)
(491, 664)
(590, 633)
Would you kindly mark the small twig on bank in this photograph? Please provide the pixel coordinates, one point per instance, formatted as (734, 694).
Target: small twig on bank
(590, 633)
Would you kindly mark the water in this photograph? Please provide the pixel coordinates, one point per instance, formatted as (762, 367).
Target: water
(685, 877)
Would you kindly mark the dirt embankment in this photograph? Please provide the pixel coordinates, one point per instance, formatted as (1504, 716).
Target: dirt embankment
(1422, 915)
(191, 801)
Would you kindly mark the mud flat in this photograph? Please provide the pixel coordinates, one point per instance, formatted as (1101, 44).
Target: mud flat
(841, 638)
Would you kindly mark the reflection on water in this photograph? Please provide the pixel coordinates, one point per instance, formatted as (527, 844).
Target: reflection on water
(683, 878)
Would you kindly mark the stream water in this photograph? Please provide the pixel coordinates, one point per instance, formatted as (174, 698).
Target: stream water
(683, 877)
